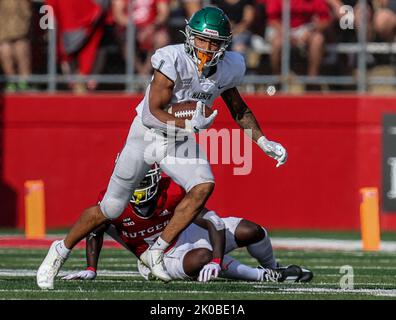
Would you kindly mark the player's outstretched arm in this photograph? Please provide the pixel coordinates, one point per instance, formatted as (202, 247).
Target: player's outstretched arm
(94, 243)
(210, 221)
(246, 120)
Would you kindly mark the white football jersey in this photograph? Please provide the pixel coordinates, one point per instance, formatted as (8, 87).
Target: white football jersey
(178, 66)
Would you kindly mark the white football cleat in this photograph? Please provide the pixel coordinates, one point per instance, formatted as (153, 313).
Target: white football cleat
(144, 271)
(153, 259)
(50, 267)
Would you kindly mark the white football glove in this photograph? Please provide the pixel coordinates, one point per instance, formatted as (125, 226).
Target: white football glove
(209, 271)
(81, 275)
(273, 149)
(198, 120)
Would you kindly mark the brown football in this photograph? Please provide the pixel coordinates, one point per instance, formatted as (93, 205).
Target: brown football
(186, 109)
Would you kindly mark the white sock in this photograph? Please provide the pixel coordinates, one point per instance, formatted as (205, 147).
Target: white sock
(62, 250)
(236, 270)
(263, 252)
(159, 244)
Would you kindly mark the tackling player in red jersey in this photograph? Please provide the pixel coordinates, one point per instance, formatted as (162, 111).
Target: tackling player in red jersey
(199, 251)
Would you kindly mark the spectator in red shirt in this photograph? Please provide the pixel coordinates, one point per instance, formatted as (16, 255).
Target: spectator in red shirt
(80, 30)
(150, 18)
(308, 20)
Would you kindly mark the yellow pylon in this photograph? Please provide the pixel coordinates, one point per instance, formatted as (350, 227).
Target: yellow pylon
(34, 209)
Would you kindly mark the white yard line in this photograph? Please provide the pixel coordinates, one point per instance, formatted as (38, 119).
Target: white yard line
(374, 292)
(297, 243)
(280, 291)
(326, 244)
(32, 273)
(304, 243)
(261, 289)
(355, 266)
(134, 274)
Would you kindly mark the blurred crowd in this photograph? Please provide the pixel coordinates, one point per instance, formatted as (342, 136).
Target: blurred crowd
(92, 35)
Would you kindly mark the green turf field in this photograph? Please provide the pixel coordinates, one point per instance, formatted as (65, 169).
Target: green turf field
(374, 278)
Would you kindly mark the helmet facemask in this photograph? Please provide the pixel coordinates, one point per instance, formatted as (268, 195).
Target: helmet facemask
(203, 57)
(147, 188)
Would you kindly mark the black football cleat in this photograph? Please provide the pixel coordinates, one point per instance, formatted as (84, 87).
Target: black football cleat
(294, 275)
(306, 276)
(281, 274)
(291, 273)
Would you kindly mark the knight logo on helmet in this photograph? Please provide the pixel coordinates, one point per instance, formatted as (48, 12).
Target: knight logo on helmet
(148, 188)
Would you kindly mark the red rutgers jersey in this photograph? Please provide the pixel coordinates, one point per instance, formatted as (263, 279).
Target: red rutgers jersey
(138, 232)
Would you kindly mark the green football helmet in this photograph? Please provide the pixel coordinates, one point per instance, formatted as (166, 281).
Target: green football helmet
(207, 23)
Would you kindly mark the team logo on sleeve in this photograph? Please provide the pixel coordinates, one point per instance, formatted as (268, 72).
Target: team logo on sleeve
(186, 82)
(165, 213)
(127, 222)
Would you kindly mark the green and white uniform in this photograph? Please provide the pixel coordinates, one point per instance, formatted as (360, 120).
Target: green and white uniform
(148, 140)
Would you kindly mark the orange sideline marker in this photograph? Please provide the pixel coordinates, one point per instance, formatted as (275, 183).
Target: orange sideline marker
(34, 209)
(369, 219)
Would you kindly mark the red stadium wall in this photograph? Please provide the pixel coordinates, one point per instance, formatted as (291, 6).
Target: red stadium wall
(70, 142)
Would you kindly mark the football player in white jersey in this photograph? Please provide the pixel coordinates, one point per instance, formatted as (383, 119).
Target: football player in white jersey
(199, 70)
(191, 257)
(200, 252)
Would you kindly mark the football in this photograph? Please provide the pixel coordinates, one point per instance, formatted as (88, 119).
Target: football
(186, 109)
